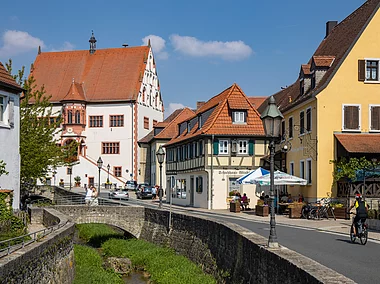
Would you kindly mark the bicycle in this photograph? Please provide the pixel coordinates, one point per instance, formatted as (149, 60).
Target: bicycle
(361, 231)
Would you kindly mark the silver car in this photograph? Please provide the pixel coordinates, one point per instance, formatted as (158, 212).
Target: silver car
(119, 194)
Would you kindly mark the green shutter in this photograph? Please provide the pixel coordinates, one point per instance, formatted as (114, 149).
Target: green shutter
(251, 147)
(216, 146)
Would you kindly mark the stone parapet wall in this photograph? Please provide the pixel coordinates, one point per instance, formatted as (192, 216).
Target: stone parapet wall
(50, 260)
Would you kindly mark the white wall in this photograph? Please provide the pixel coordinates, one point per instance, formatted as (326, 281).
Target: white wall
(10, 145)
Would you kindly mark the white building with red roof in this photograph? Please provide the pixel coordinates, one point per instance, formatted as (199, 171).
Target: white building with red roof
(109, 99)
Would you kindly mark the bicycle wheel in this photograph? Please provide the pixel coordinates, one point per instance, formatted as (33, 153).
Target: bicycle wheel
(305, 213)
(364, 236)
(352, 235)
(313, 213)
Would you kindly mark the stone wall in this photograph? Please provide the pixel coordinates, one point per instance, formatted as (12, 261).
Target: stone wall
(50, 260)
(231, 253)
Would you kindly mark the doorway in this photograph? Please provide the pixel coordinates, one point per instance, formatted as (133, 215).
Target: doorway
(90, 181)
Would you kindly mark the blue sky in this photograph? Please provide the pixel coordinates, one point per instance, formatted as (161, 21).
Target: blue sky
(201, 47)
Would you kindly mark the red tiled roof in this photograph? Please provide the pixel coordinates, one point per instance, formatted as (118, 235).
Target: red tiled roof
(306, 69)
(337, 44)
(107, 75)
(7, 79)
(323, 61)
(75, 93)
(360, 143)
(256, 101)
(220, 121)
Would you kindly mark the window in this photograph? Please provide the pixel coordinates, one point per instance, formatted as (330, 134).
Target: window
(291, 168)
(2, 108)
(302, 122)
(199, 184)
(351, 118)
(96, 121)
(77, 117)
(110, 148)
(200, 121)
(146, 122)
(188, 127)
(196, 154)
(116, 120)
(201, 148)
(180, 189)
(308, 119)
(290, 127)
(313, 81)
(372, 68)
(154, 122)
(69, 171)
(223, 146)
(302, 169)
(117, 171)
(239, 116)
(283, 130)
(69, 117)
(242, 147)
(308, 170)
(53, 119)
(302, 87)
(374, 117)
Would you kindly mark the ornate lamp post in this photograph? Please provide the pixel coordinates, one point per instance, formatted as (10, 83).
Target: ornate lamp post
(100, 165)
(160, 158)
(108, 176)
(272, 118)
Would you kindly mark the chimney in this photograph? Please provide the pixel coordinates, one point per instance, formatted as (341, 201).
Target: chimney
(200, 104)
(329, 26)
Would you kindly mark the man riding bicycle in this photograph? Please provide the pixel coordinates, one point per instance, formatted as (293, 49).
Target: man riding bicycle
(361, 211)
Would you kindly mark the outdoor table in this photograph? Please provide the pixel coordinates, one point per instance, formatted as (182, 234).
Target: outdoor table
(283, 207)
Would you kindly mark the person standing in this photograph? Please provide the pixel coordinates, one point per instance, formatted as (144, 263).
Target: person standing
(154, 192)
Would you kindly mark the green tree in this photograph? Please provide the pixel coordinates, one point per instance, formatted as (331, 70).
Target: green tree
(40, 127)
(347, 168)
(2, 168)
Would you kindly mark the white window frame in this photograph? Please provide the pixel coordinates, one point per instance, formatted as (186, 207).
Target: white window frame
(302, 169)
(2, 108)
(244, 149)
(239, 117)
(369, 118)
(360, 118)
(224, 145)
(309, 168)
(291, 168)
(4, 122)
(311, 120)
(378, 71)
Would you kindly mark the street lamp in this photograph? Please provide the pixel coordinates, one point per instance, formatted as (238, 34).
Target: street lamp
(272, 118)
(100, 165)
(70, 169)
(108, 177)
(160, 158)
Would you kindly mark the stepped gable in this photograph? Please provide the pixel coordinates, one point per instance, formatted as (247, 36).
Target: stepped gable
(336, 45)
(106, 75)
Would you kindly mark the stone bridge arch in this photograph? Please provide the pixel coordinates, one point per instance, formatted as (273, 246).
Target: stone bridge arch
(127, 218)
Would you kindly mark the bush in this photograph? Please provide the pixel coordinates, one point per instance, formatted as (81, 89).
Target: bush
(372, 214)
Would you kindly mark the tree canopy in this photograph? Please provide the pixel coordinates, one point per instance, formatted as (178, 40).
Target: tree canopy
(348, 168)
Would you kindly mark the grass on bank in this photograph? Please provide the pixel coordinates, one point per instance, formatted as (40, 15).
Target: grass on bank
(163, 264)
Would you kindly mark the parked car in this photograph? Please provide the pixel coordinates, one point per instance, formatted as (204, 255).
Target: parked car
(141, 185)
(119, 194)
(131, 185)
(144, 192)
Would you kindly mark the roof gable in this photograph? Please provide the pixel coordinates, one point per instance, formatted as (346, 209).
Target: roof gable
(75, 93)
(7, 80)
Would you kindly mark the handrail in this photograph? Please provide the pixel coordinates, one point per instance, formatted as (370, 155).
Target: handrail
(23, 242)
(79, 200)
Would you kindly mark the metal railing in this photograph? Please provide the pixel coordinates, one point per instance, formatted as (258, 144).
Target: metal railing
(13, 244)
(78, 200)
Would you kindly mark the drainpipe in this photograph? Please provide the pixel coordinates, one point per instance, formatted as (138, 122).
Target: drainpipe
(212, 173)
(133, 150)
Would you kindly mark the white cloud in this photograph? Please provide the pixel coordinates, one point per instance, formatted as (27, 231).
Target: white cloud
(172, 107)
(158, 45)
(229, 50)
(65, 47)
(16, 42)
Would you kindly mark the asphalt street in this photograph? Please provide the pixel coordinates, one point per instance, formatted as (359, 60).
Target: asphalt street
(355, 261)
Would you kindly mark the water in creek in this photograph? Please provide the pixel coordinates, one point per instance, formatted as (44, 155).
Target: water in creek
(136, 277)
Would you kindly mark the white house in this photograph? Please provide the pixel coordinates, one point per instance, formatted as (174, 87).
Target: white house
(109, 99)
(10, 134)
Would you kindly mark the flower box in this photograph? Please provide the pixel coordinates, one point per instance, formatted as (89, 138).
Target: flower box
(235, 207)
(295, 210)
(262, 210)
(341, 213)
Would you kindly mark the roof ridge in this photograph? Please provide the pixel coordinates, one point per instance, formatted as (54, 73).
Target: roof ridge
(173, 120)
(247, 99)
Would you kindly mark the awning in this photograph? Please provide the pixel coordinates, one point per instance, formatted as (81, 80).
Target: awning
(360, 143)
(280, 178)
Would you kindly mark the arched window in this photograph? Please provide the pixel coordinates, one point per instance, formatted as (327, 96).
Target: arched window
(77, 117)
(69, 117)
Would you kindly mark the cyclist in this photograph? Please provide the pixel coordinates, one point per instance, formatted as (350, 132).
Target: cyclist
(361, 211)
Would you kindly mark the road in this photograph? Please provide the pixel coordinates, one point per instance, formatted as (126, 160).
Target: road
(355, 261)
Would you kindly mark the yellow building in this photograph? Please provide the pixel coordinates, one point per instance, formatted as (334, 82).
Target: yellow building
(333, 108)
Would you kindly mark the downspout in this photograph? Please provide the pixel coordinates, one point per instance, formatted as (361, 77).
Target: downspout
(133, 146)
(212, 173)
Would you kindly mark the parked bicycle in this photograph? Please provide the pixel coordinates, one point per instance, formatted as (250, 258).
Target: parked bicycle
(321, 210)
(361, 229)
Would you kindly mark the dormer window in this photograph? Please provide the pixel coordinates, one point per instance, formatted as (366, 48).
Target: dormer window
(302, 87)
(188, 127)
(239, 117)
(313, 81)
(199, 121)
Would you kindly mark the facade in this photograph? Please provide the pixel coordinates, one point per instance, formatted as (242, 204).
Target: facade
(162, 133)
(222, 141)
(333, 108)
(10, 134)
(109, 99)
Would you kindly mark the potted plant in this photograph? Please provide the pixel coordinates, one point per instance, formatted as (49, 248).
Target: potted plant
(340, 211)
(61, 182)
(77, 181)
(261, 208)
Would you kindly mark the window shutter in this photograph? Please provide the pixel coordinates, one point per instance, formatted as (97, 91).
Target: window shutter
(361, 70)
(245, 113)
(351, 117)
(11, 113)
(251, 147)
(216, 146)
(375, 118)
